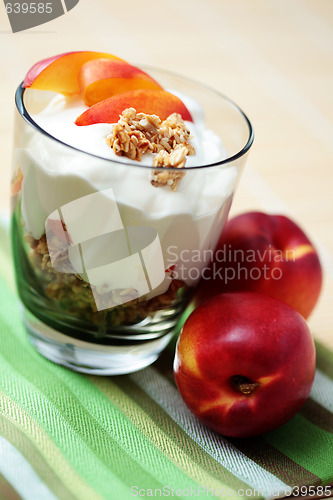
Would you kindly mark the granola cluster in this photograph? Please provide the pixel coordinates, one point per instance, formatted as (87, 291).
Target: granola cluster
(177, 159)
(138, 133)
(75, 295)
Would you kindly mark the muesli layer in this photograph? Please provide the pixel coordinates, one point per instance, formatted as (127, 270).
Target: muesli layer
(70, 292)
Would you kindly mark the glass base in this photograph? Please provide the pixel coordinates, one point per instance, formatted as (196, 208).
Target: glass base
(86, 357)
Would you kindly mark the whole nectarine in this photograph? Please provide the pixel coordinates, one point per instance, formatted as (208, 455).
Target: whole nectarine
(244, 363)
(265, 253)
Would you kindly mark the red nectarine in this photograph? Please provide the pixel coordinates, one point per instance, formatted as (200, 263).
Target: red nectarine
(244, 363)
(265, 253)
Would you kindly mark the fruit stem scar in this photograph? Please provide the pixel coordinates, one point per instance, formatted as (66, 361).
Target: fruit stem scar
(244, 384)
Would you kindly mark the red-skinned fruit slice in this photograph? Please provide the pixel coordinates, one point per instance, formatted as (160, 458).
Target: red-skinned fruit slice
(152, 102)
(100, 79)
(60, 73)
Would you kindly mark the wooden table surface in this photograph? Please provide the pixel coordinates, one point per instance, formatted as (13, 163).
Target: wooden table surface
(273, 57)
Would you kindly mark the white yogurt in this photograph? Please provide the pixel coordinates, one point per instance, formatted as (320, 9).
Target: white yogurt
(55, 175)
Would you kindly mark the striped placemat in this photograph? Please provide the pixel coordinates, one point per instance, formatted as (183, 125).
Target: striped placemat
(67, 436)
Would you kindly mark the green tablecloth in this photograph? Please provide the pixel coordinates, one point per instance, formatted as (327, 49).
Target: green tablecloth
(69, 436)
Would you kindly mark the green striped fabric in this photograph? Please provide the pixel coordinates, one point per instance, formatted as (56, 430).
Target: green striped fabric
(68, 436)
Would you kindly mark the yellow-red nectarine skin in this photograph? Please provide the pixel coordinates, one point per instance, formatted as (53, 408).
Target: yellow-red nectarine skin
(100, 79)
(269, 236)
(60, 73)
(250, 335)
(152, 102)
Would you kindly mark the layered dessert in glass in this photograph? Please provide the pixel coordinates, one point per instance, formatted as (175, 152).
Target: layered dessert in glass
(122, 183)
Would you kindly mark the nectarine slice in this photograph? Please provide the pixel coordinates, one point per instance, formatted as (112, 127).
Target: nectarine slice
(17, 183)
(100, 79)
(60, 73)
(152, 102)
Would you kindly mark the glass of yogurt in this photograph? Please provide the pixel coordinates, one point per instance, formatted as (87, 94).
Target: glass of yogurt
(109, 250)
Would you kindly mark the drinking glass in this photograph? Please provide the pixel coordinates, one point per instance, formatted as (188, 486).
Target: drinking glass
(105, 262)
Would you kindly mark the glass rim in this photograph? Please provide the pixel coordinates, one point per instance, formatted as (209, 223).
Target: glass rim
(19, 101)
